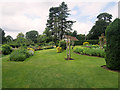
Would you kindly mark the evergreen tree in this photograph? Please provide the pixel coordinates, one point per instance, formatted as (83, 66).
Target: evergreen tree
(57, 23)
(104, 19)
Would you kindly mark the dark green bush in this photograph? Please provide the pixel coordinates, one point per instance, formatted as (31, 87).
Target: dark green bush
(113, 45)
(6, 49)
(90, 42)
(62, 44)
(19, 55)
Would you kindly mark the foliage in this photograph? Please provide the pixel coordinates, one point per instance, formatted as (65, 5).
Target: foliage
(104, 19)
(51, 43)
(30, 49)
(113, 45)
(20, 55)
(20, 41)
(32, 35)
(62, 44)
(42, 39)
(92, 46)
(47, 47)
(6, 49)
(86, 43)
(89, 51)
(2, 36)
(81, 37)
(9, 38)
(57, 23)
(90, 41)
(20, 35)
(59, 49)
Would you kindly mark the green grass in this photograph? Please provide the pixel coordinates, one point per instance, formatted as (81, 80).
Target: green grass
(48, 69)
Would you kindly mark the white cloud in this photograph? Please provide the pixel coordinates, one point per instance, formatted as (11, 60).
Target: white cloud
(21, 16)
(114, 11)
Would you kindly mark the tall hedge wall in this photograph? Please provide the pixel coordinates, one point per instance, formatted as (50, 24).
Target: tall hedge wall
(90, 41)
(113, 45)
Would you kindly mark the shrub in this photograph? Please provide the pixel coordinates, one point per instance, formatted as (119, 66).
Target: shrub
(20, 54)
(62, 44)
(113, 45)
(17, 56)
(59, 49)
(51, 43)
(6, 49)
(31, 49)
(90, 42)
(86, 43)
(90, 51)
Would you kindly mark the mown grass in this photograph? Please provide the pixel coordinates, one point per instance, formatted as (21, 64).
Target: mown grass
(48, 69)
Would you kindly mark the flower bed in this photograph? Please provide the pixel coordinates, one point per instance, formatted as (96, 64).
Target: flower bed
(89, 51)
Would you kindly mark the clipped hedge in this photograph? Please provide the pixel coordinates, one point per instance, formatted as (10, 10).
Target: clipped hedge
(113, 45)
(90, 42)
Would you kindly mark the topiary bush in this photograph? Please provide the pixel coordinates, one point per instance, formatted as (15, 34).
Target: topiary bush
(113, 45)
(6, 49)
(62, 44)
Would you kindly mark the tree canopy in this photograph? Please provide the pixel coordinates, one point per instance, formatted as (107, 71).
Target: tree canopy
(104, 19)
(57, 23)
(20, 35)
(32, 35)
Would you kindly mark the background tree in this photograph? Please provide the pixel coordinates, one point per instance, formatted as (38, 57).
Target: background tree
(57, 22)
(81, 37)
(9, 38)
(21, 41)
(32, 35)
(42, 39)
(20, 35)
(74, 34)
(2, 36)
(104, 19)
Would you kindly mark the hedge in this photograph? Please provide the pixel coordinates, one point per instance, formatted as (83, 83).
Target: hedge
(90, 41)
(113, 45)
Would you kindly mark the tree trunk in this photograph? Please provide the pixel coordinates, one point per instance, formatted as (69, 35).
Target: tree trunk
(67, 47)
(69, 50)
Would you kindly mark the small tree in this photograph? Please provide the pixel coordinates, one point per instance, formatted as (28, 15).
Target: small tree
(102, 40)
(113, 45)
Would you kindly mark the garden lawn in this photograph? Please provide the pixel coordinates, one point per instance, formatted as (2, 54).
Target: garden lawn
(48, 69)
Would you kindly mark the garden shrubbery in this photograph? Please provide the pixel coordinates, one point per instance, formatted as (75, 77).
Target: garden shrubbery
(20, 54)
(113, 45)
(89, 51)
(86, 43)
(59, 49)
(90, 42)
(62, 44)
(6, 49)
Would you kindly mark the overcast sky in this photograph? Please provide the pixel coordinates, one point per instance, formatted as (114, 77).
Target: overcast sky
(23, 16)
